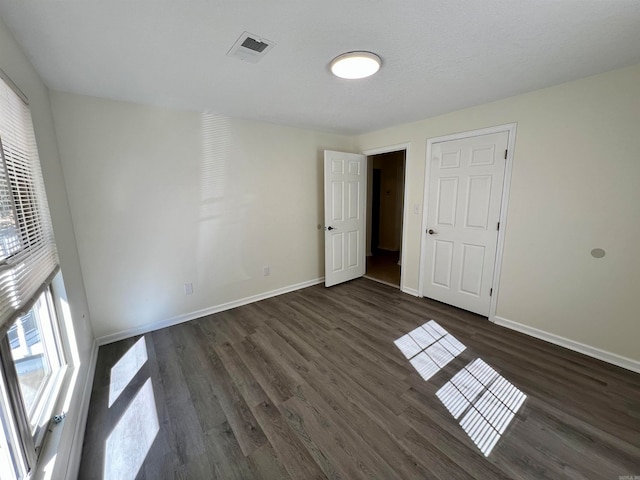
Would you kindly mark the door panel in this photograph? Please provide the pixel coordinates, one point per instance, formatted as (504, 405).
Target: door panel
(336, 201)
(354, 203)
(447, 201)
(472, 267)
(483, 155)
(463, 210)
(442, 263)
(353, 243)
(337, 264)
(478, 202)
(450, 159)
(344, 206)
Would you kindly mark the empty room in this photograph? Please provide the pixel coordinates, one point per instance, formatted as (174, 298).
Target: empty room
(319, 240)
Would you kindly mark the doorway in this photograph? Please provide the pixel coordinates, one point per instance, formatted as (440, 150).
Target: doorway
(385, 213)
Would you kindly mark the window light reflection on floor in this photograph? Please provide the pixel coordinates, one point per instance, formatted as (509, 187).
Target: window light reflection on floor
(429, 348)
(483, 402)
(123, 372)
(129, 442)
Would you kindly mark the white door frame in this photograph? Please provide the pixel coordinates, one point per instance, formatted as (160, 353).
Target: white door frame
(511, 129)
(394, 148)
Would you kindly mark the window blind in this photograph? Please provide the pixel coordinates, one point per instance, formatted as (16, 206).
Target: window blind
(28, 255)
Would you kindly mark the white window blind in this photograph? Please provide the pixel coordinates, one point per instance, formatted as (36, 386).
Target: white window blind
(28, 255)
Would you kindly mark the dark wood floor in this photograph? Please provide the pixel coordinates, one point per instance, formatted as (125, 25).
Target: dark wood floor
(310, 385)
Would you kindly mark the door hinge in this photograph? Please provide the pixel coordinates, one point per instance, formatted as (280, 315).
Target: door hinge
(505, 154)
(498, 227)
(491, 292)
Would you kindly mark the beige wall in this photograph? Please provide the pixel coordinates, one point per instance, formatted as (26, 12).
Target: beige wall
(163, 197)
(575, 187)
(14, 63)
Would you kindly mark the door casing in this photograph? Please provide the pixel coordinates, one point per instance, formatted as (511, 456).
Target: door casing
(394, 148)
(511, 129)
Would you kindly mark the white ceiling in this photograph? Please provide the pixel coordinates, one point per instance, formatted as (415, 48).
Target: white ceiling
(438, 55)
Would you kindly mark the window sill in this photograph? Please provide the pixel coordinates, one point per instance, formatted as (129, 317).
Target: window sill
(62, 446)
(53, 392)
(50, 433)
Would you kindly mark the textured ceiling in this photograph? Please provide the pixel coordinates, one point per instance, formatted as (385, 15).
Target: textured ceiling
(438, 55)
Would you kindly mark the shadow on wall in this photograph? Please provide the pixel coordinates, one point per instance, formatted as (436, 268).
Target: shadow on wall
(223, 209)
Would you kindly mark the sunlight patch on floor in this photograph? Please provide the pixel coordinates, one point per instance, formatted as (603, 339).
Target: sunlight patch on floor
(123, 372)
(483, 402)
(129, 442)
(429, 348)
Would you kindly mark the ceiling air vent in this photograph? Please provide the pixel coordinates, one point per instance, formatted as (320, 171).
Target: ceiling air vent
(250, 48)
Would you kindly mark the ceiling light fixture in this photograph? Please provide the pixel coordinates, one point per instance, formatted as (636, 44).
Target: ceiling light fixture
(353, 65)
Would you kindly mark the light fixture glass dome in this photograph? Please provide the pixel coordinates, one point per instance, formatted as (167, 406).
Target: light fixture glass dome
(353, 65)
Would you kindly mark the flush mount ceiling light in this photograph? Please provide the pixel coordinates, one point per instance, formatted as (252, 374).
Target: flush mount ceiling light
(353, 65)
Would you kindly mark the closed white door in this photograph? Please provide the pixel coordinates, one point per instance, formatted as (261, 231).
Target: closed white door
(463, 210)
(344, 220)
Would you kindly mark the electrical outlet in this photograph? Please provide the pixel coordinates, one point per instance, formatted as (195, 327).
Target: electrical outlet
(266, 271)
(188, 288)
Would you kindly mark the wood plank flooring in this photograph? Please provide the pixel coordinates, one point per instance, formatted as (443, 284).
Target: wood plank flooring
(310, 385)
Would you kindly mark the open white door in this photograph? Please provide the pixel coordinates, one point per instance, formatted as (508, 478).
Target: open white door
(463, 209)
(344, 216)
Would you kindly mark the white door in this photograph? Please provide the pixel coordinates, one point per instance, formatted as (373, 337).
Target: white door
(463, 210)
(344, 220)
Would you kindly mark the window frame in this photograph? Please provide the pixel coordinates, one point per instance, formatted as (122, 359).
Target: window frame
(32, 431)
(51, 387)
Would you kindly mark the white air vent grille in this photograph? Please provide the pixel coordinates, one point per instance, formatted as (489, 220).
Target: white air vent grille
(250, 48)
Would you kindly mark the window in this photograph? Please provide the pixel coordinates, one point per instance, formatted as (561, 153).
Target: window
(32, 360)
(36, 354)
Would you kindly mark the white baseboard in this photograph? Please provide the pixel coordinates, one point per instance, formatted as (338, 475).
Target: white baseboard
(410, 291)
(150, 327)
(73, 466)
(615, 359)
